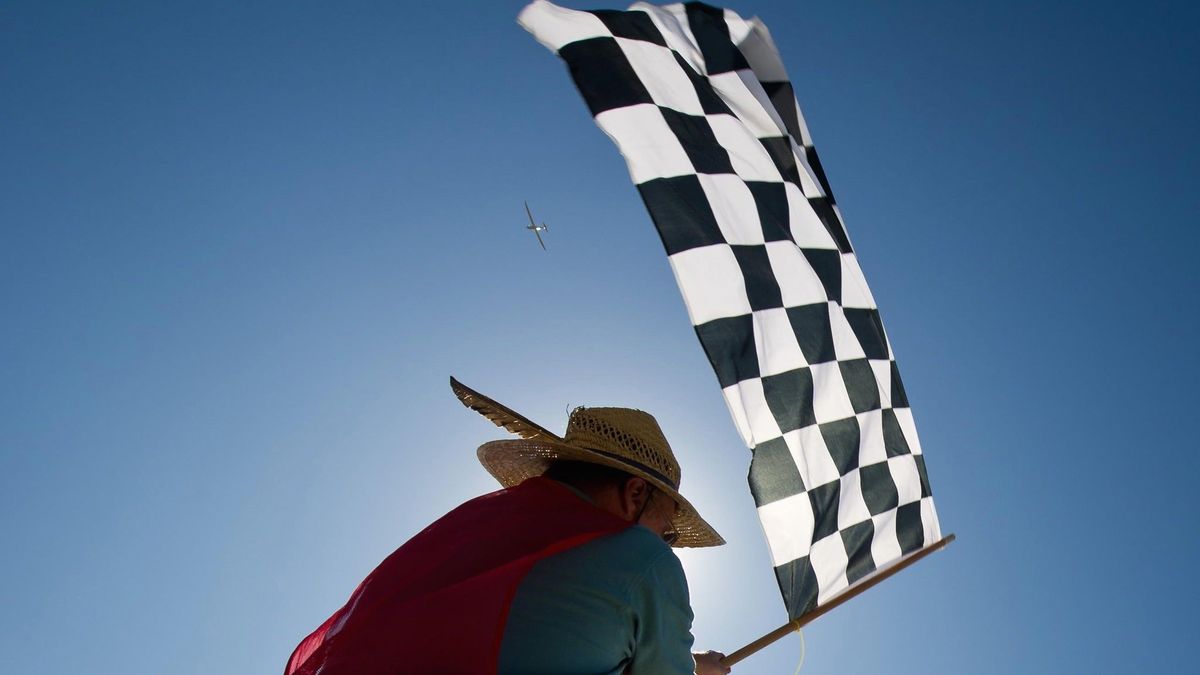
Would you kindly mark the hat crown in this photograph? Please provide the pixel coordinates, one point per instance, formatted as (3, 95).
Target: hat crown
(627, 433)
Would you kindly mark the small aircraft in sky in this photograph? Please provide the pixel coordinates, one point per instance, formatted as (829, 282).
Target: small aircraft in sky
(537, 229)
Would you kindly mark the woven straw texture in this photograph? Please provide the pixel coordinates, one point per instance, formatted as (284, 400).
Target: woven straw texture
(623, 438)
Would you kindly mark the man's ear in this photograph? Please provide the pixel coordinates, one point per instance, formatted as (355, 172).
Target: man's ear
(634, 493)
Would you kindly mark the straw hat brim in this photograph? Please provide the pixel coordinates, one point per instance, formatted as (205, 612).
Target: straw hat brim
(512, 461)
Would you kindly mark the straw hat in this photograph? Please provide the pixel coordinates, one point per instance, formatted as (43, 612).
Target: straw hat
(622, 438)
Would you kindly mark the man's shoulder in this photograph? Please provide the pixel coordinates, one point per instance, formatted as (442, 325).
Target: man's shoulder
(636, 540)
(631, 554)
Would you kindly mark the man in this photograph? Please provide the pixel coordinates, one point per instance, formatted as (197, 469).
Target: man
(567, 570)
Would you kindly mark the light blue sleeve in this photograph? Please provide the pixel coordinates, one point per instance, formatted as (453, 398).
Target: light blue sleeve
(663, 611)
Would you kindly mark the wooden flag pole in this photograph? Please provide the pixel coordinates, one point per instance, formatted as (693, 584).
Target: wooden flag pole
(850, 592)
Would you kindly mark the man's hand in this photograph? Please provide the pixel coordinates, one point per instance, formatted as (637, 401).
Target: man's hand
(709, 663)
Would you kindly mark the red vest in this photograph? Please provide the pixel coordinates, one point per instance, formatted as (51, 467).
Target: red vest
(439, 603)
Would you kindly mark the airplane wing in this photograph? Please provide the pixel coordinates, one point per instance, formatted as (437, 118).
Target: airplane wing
(539, 236)
(530, 214)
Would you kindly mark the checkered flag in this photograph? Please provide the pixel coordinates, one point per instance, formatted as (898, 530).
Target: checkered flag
(698, 102)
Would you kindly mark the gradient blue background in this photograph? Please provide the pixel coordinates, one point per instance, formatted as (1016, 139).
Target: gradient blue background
(242, 247)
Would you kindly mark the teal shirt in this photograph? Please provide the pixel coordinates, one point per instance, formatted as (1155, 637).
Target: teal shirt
(617, 602)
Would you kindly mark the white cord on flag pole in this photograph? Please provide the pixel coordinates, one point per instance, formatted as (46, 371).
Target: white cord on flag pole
(802, 650)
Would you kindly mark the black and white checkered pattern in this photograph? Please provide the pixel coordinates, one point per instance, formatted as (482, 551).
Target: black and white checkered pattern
(698, 102)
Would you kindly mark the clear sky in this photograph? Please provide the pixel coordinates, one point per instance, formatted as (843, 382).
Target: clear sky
(244, 245)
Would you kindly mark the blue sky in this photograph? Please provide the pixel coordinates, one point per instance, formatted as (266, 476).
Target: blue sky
(242, 249)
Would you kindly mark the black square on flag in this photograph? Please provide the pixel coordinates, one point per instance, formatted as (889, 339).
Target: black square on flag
(780, 150)
(681, 213)
(857, 539)
(710, 102)
(893, 436)
(771, 200)
(712, 35)
(909, 529)
(842, 438)
(798, 582)
(899, 397)
(878, 488)
(824, 210)
(605, 77)
(824, 501)
(827, 263)
(762, 290)
(813, 332)
(698, 141)
(869, 331)
(860, 384)
(732, 355)
(925, 491)
(632, 25)
(773, 472)
(789, 396)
